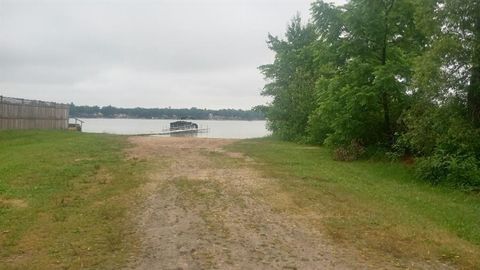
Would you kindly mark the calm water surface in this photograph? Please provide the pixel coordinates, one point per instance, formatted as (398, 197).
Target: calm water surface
(217, 128)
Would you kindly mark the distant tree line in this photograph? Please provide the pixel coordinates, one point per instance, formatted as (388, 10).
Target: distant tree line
(163, 113)
(398, 75)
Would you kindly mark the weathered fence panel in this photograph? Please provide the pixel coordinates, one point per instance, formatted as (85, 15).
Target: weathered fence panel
(18, 113)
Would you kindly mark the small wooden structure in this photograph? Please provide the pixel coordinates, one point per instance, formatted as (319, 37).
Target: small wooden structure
(17, 113)
(76, 126)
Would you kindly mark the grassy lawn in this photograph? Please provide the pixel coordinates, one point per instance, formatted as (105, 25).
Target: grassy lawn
(64, 199)
(378, 207)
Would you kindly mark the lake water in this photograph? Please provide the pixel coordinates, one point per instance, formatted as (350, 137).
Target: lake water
(216, 128)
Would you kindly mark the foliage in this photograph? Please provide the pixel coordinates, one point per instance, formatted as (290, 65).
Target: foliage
(291, 80)
(452, 169)
(446, 144)
(350, 152)
(399, 74)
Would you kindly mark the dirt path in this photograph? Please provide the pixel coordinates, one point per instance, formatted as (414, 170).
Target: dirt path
(208, 209)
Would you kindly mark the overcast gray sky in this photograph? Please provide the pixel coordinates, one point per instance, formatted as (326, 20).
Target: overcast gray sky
(146, 53)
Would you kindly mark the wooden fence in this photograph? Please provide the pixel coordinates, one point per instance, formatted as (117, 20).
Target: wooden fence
(18, 113)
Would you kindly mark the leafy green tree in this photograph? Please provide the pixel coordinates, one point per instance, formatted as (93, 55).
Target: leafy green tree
(403, 74)
(291, 81)
(442, 125)
(363, 96)
(451, 66)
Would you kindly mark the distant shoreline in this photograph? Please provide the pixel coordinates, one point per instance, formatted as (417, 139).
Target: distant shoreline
(171, 119)
(110, 112)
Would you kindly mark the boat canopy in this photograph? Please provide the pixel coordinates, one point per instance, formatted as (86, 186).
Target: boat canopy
(183, 125)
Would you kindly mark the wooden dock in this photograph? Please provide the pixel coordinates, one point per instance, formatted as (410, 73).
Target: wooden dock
(166, 132)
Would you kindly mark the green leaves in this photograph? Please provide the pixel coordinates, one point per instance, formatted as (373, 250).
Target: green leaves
(381, 72)
(291, 80)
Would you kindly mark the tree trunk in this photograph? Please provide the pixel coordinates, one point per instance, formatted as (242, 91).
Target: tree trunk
(473, 93)
(474, 96)
(385, 97)
(386, 101)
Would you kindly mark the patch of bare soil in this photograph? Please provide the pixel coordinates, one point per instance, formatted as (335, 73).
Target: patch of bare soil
(13, 203)
(209, 210)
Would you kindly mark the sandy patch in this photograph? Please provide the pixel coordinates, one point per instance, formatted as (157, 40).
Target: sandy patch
(13, 203)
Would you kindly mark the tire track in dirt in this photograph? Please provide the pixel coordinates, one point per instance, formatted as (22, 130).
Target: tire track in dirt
(205, 210)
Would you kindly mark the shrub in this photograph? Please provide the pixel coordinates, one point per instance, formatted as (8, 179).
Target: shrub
(457, 170)
(349, 153)
(447, 144)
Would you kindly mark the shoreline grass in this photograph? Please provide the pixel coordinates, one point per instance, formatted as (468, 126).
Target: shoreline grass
(376, 206)
(64, 198)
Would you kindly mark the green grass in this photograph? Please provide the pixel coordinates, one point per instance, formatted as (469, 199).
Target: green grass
(64, 198)
(376, 206)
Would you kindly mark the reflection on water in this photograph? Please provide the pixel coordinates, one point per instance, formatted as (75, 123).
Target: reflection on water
(216, 128)
(191, 133)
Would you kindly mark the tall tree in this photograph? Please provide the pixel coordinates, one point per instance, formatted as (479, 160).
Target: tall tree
(461, 23)
(402, 73)
(291, 80)
(451, 66)
(374, 41)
